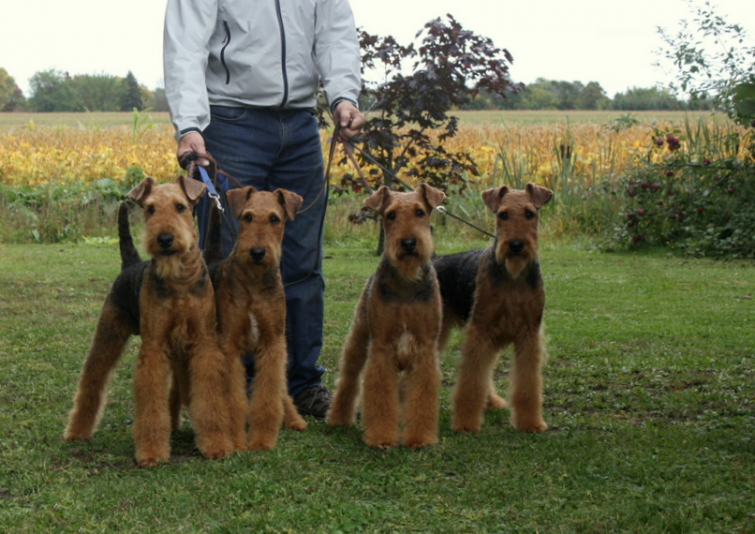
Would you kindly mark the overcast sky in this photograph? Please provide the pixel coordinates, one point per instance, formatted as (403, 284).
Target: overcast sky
(586, 40)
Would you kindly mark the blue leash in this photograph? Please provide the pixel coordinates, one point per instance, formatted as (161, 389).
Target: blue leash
(203, 208)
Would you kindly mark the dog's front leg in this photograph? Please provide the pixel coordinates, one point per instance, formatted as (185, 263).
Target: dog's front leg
(152, 421)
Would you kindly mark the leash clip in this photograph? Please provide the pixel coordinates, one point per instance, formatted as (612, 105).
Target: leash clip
(441, 209)
(216, 198)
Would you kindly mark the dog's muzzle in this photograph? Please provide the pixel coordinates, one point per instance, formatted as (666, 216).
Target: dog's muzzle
(257, 254)
(516, 246)
(165, 241)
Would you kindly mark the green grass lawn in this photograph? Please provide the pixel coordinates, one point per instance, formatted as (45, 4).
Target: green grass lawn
(649, 394)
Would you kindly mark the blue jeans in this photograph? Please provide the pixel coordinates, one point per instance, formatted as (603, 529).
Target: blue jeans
(280, 149)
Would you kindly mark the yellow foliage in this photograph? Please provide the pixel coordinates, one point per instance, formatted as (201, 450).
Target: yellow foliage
(38, 156)
(549, 154)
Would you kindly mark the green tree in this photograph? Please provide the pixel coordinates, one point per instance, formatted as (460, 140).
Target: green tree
(98, 92)
(131, 93)
(539, 96)
(52, 90)
(712, 60)
(646, 99)
(158, 102)
(11, 97)
(592, 96)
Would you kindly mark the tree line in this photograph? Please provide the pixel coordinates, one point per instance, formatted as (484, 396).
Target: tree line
(56, 91)
(52, 90)
(564, 95)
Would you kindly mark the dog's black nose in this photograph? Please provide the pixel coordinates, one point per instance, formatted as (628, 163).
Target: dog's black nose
(165, 240)
(258, 254)
(516, 246)
(408, 244)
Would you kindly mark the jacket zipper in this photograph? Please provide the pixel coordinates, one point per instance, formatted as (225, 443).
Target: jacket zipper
(222, 53)
(283, 52)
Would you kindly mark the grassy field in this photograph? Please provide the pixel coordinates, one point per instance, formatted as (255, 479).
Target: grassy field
(649, 394)
(468, 118)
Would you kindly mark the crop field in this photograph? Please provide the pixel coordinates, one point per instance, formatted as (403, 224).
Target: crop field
(551, 148)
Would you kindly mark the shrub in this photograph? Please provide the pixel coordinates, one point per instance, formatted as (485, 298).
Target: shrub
(694, 193)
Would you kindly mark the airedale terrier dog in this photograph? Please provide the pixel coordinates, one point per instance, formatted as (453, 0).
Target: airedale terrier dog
(394, 337)
(498, 294)
(170, 302)
(251, 308)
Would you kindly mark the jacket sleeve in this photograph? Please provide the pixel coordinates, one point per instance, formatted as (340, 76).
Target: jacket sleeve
(336, 51)
(189, 24)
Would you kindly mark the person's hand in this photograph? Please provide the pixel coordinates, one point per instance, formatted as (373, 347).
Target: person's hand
(193, 142)
(350, 118)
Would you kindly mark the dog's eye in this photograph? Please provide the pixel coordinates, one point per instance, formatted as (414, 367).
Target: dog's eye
(420, 213)
(180, 208)
(274, 219)
(504, 216)
(151, 210)
(391, 216)
(529, 215)
(248, 217)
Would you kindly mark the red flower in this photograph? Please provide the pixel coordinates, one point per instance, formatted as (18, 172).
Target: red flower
(673, 142)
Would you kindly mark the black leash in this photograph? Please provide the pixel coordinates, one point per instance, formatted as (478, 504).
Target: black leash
(367, 156)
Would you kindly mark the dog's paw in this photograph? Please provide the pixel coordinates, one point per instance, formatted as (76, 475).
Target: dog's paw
(417, 442)
(75, 436)
(150, 462)
(239, 445)
(496, 402)
(262, 444)
(298, 424)
(381, 442)
(533, 427)
(472, 429)
(216, 451)
(333, 419)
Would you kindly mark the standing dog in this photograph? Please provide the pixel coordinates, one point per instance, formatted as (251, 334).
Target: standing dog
(169, 301)
(395, 330)
(251, 308)
(498, 294)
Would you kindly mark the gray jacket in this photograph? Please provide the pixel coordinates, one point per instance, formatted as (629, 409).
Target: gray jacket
(260, 53)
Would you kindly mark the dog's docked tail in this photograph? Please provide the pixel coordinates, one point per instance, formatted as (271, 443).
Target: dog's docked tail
(129, 255)
(213, 249)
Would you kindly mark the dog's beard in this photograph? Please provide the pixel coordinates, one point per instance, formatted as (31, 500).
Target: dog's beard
(515, 265)
(170, 267)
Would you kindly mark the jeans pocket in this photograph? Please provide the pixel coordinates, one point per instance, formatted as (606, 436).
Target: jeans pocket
(227, 113)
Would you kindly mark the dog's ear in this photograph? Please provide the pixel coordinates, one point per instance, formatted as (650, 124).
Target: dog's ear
(378, 200)
(141, 191)
(540, 196)
(237, 199)
(492, 197)
(290, 201)
(193, 189)
(432, 196)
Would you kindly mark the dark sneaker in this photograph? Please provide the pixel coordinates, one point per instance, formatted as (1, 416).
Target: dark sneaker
(314, 401)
